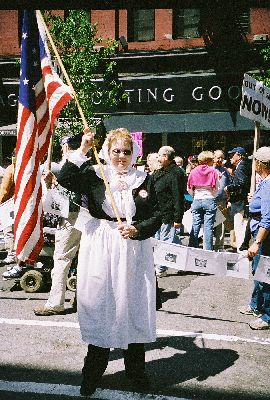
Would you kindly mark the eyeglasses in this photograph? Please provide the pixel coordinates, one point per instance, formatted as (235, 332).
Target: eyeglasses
(116, 152)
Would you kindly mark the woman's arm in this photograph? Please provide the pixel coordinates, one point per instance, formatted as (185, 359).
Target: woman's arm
(264, 224)
(71, 175)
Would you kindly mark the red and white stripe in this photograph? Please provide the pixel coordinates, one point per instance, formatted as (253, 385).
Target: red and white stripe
(28, 192)
(32, 144)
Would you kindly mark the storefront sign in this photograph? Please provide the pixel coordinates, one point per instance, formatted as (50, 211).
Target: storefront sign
(255, 102)
(177, 94)
(158, 94)
(9, 91)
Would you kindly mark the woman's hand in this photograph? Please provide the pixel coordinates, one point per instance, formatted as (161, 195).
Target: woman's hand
(127, 231)
(87, 140)
(253, 250)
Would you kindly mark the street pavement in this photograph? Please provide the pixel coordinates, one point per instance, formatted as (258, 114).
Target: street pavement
(205, 347)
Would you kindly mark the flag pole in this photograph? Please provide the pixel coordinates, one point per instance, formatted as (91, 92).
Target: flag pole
(82, 117)
(49, 153)
(255, 148)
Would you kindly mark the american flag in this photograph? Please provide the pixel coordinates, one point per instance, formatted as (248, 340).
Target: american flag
(42, 95)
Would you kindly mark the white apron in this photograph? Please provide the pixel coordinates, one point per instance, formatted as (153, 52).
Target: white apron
(116, 290)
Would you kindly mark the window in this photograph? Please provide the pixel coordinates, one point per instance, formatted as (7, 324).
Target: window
(186, 22)
(141, 25)
(244, 20)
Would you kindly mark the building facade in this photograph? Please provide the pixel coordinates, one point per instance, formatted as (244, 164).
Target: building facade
(180, 62)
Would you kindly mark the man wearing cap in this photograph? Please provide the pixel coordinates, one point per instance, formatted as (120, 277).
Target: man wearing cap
(237, 191)
(259, 212)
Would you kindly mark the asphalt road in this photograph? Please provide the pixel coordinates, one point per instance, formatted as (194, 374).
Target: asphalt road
(205, 348)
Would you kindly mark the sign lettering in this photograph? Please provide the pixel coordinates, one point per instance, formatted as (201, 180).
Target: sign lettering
(170, 93)
(255, 102)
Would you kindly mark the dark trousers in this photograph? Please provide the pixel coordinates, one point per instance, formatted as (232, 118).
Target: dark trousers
(97, 358)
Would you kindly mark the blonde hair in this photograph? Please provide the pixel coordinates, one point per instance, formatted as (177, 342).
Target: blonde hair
(205, 157)
(216, 152)
(119, 134)
(179, 160)
(152, 161)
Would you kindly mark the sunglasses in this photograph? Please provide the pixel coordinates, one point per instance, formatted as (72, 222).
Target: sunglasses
(116, 152)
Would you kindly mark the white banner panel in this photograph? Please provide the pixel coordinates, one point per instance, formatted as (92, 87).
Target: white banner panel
(55, 203)
(262, 273)
(237, 265)
(7, 213)
(201, 261)
(169, 254)
(205, 261)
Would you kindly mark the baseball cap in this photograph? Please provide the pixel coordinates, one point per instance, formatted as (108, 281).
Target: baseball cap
(239, 150)
(65, 140)
(71, 139)
(192, 158)
(263, 154)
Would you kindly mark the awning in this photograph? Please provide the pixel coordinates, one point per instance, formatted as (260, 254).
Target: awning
(181, 123)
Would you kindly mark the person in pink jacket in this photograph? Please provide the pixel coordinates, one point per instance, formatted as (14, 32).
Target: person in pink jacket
(203, 186)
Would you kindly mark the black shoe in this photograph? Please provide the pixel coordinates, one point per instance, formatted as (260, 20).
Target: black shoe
(140, 381)
(87, 387)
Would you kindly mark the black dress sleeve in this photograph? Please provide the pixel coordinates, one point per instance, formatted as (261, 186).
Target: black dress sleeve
(77, 179)
(148, 216)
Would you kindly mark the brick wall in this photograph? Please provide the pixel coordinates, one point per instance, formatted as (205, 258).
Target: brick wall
(9, 45)
(260, 23)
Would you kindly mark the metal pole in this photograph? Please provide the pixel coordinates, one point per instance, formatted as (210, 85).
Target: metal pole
(255, 148)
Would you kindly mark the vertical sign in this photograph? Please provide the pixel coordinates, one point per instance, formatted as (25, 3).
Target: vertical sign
(137, 136)
(255, 102)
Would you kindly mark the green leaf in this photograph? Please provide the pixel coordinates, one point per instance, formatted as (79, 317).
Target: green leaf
(77, 43)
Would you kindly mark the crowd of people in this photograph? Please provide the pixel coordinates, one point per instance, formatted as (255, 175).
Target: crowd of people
(116, 277)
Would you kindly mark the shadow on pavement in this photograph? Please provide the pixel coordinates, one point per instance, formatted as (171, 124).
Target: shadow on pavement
(201, 317)
(167, 295)
(170, 374)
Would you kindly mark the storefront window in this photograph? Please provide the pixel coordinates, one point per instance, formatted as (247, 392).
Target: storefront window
(141, 25)
(244, 20)
(186, 22)
(151, 143)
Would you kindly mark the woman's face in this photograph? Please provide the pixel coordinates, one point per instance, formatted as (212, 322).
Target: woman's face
(120, 155)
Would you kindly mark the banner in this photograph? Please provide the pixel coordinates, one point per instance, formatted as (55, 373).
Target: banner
(255, 102)
(187, 220)
(184, 258)
(56, 203)
(262, 273)
(7, 213)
